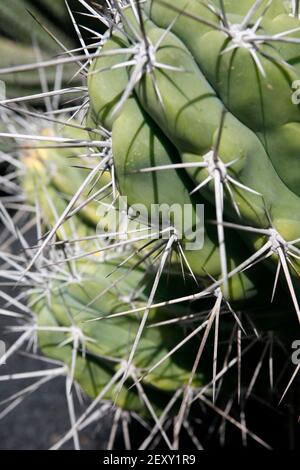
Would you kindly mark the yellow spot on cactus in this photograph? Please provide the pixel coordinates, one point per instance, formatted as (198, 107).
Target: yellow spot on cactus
(288, 229)
(34, 158)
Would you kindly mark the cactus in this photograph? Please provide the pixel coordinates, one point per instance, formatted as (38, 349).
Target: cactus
(135, 315)
(232, 157)
(46, 25)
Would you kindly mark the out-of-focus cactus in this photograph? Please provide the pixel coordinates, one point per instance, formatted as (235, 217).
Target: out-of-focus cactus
(52, 15)
(51, 174)
(48, 27)
(116, 335)
(28, 83)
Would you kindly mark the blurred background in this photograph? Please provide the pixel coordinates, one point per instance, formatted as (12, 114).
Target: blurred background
(30, 31)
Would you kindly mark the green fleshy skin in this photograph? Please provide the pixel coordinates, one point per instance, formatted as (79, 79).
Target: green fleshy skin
(106, 84)
(262, 103)
(110, 340)
(90, 372)
(137, 144)
(189, 103)
(52, 176)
